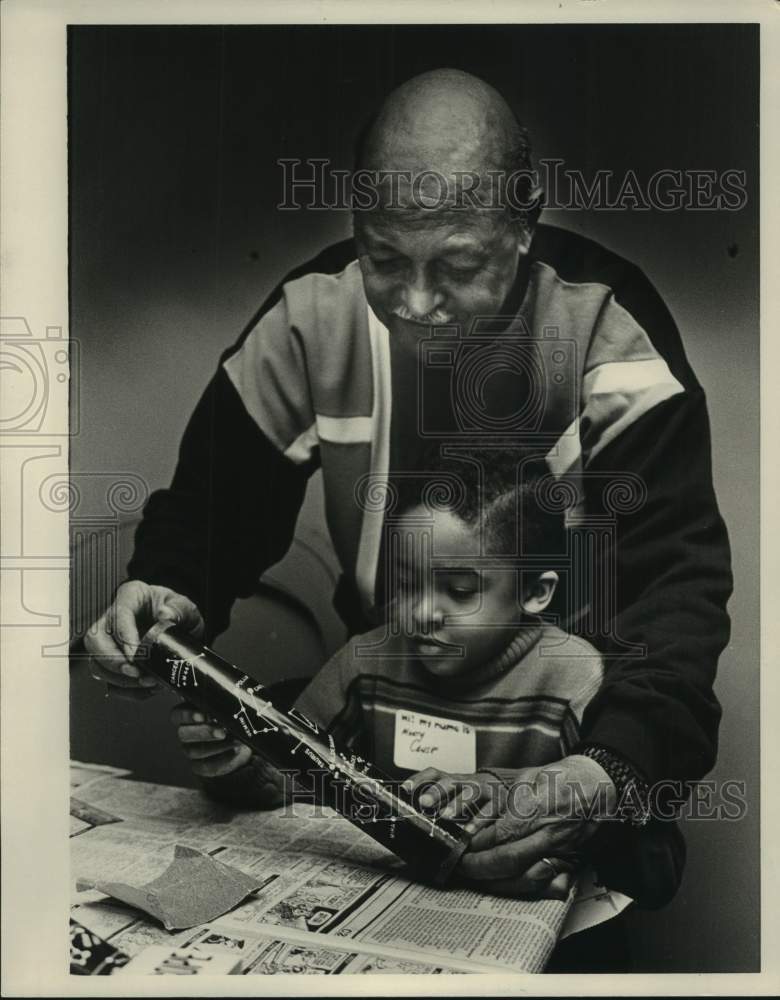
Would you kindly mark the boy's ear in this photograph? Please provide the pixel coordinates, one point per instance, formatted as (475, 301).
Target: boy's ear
(539, 593)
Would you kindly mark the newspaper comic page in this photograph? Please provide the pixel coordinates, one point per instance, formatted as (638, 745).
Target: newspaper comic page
(330, 900)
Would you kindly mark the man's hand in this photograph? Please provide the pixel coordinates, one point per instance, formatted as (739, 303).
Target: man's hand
(212, 752)
(548, 813)
(481, 801)
(113, 640)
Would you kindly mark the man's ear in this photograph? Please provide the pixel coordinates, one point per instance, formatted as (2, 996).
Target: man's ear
(523, 233)
(525, 243)
(539, 593)
(525, 219)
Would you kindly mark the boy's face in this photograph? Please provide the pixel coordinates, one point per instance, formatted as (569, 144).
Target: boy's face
(459, 610)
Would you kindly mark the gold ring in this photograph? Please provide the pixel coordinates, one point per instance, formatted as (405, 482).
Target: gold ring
(552, 866)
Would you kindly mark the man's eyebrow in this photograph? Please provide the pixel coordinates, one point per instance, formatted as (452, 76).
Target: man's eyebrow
(464, 244)
(466, 251)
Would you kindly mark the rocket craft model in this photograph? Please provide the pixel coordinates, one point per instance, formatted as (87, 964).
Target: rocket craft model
(290, 741)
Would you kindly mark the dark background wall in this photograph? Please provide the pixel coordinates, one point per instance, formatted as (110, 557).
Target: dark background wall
(175, 240)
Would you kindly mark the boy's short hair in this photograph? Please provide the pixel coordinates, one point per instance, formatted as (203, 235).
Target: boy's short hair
(506, 492)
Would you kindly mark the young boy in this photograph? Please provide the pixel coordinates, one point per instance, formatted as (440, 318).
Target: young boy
(468, 682)
(465, 675)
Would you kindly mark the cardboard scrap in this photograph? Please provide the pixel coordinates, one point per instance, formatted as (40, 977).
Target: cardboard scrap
(193, 889)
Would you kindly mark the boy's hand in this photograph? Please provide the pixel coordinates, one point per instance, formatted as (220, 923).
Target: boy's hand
(113, 640)
(212, 752)
(472, 799)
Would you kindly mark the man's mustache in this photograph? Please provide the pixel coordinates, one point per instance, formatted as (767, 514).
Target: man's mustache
(436, 318)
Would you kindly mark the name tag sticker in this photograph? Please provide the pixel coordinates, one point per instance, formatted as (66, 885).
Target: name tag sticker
(430, 741)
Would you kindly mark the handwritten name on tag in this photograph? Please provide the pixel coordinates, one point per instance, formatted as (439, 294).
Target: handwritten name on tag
(430, 741)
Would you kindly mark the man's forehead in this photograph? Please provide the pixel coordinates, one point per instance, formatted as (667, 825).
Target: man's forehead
(456, 229)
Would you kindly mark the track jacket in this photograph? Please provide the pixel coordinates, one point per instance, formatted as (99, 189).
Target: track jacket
(610, 400)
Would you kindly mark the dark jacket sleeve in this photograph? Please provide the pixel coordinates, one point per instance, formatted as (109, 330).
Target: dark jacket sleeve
(671, 580)
(228, 514)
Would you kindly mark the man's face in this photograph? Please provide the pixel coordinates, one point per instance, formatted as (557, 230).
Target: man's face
(438, 268)
(448, 598)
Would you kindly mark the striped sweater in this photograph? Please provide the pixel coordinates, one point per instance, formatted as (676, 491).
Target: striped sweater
(525, 710)
(315, 381)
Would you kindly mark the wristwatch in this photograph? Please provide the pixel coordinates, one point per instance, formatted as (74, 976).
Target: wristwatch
(633, 792)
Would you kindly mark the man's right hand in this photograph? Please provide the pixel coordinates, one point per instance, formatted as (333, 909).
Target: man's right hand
(113, 640)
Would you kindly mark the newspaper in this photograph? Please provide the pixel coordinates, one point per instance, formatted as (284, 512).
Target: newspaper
(331, 900)
(82, 774)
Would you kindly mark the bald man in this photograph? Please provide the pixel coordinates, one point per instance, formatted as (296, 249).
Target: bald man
(449, 318)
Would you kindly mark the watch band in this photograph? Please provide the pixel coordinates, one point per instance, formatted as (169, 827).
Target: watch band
(633, 792)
